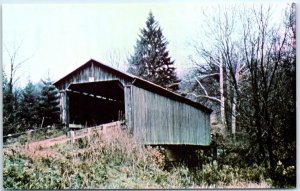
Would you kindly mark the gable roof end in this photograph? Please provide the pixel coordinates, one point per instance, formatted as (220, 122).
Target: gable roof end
(150, 86)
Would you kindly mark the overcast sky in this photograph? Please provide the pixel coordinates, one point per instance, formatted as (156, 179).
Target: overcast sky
(59, 38)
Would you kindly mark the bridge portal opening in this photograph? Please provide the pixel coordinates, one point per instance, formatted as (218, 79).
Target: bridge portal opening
(95, 103)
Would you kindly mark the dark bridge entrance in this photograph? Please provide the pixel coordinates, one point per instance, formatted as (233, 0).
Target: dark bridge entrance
(95, 103)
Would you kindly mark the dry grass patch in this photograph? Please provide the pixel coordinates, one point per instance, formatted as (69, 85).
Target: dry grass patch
(110, 159)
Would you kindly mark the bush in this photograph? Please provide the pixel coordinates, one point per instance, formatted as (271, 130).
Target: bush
(284, 176)
(217, 175)
(111, 160)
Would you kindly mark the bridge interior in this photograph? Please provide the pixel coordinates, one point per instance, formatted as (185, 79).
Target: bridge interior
(95, 103)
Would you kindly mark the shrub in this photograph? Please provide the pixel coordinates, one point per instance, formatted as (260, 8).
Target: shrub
(284, 175)
(222, 175)
(107, 160)
(113, 159)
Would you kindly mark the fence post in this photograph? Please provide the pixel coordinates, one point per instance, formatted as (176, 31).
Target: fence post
(89, 134)
(72, 135)
(104, 129)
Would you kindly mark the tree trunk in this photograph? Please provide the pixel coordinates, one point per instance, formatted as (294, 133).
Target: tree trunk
(234, 101)
(257, 117)
(223, 121)
(233, 114)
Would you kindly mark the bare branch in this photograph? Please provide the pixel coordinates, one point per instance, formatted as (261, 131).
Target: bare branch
(201, 86)
(15, 81)
(173, 84)
(14, 66)
(208, 75)
(205, 96)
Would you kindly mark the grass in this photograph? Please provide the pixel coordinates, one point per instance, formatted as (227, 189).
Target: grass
(36, 135)
(109, 160)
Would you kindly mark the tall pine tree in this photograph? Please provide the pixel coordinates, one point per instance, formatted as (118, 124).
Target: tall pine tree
(8, 107)
(151, 60)
(49, 103)
(28, 108)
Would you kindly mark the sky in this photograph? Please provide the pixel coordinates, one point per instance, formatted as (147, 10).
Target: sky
(58, 38)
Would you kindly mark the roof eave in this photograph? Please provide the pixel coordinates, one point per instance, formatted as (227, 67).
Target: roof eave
(139, 82)
(145, 84)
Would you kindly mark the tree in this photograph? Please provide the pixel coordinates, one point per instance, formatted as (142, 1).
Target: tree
(14, 65)
(151, 60)
(117, 59)
(10, 98)
(48, 103)
(218, 72)
(8, 108)
(259, 70)
(28, 107)
(270, 57)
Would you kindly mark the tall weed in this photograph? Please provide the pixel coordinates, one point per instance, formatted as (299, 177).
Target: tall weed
(107, 159)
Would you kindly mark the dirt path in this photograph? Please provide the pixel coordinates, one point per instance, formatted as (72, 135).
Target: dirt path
(47, 142)
(73, 136)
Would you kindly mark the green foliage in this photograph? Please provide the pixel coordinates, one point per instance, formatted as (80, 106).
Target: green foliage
(268, 104)
(20, 172)
(259, 84)
(10, 103)
(151, 59)
(284, 176)
(26, 108)
(27, 113)
(215, 174)
(41, 134)
(237, 154)
(49, 103)
(115, 161)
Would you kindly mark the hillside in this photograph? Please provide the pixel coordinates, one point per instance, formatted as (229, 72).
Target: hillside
(114, 161)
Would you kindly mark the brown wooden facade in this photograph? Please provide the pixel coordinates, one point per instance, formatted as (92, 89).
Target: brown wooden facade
(94, 94)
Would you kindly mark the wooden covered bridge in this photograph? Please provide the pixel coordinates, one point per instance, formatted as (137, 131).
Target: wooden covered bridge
(95, 94)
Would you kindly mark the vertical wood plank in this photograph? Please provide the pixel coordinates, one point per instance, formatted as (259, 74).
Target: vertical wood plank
(166, 121)
(67, 113)
(162, 120)
(128, 106)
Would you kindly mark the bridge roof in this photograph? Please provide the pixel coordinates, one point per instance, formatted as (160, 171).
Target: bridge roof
(139, 82)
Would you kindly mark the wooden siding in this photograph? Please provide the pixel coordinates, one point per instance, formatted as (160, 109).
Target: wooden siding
(64, 107)
(81, 76)
(90, 70)
(128, 106)
(155, 114)
(161, 120)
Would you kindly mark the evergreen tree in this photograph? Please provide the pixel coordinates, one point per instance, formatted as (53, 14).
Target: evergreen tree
(49, 103)
(8, 107)
(151, 60)
(28, 108)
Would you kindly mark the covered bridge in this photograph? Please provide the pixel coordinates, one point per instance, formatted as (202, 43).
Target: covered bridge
(95, 93)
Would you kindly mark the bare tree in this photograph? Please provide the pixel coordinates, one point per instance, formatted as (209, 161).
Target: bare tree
(222, 53)
(9, 97)
(117, 59)
(254, 67)
(267, 56)
(14, 64)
